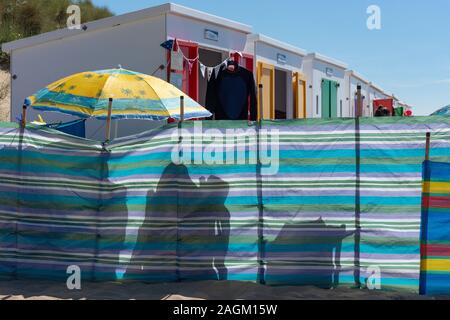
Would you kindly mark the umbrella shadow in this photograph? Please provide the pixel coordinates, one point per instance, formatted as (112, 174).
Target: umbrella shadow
(306, 253)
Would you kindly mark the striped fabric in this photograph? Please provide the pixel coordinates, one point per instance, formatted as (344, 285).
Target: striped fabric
(343, 203)
(330, 219)
(435, 267)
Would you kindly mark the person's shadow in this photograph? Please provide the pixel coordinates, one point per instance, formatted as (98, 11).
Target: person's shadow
(153, 251)
(204, 231)
(185, 233)
(306, 253)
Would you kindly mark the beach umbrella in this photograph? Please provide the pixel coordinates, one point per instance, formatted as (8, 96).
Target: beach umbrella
(116, 94)
(445, 111)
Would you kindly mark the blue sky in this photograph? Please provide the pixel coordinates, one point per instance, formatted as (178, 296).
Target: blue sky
(409, 56)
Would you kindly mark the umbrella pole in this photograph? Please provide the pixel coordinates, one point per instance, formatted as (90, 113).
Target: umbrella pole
(427, 146)
(108, 120)
(181, 108)
(24, 116)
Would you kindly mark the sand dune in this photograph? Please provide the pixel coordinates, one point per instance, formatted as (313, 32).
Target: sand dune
(211, 290)
(4, 95)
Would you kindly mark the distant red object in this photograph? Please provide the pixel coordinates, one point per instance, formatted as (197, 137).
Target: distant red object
(408, 113)
(387, 103)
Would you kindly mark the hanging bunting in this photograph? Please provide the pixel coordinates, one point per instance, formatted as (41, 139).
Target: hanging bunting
(218, 67)
(176, 60)
(167, 44)
(191, 64)
(209, 72)
(202, 69)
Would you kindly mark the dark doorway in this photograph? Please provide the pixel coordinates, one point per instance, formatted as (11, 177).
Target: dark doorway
(280, 94)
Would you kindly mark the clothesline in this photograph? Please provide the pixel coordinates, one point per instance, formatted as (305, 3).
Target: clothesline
(198, 57)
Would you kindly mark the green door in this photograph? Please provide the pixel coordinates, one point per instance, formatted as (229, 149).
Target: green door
(325, 98)
(329, 98)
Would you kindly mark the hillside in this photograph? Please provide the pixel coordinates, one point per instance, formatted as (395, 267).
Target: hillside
(21, 19)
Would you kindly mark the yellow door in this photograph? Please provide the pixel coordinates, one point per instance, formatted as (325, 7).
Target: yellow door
(299, 93)
(266, 77)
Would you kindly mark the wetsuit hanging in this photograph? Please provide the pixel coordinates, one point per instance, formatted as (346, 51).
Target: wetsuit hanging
(231, 93)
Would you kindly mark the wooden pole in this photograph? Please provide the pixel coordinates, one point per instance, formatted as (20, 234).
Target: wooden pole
(260, 228)
(260, 104)
(108, 120)
(181, 108)
(427, 147)
(180, 137)
(24, 116)
(426, 189)
(359, 106)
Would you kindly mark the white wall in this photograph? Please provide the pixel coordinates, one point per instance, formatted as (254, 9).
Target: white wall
(266, 53)
(194, 30)
(310, 99)
(135, 46)
(316, 71)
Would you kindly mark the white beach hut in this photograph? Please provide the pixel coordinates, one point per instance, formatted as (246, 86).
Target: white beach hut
(375, 92)
(325, 94)
(131, 40)
(278, 66)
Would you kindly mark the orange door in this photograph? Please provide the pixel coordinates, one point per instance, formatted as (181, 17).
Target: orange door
(266, 76)
(299, 95)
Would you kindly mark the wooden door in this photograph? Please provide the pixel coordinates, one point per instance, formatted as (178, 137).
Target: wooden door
(329, 98)
(326, 98)
(266, 77)
(299, 95)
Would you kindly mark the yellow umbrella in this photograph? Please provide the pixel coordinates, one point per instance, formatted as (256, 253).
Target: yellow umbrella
(116, 94)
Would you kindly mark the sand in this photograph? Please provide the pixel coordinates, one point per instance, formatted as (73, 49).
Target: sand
(4, 95)
(210, 290)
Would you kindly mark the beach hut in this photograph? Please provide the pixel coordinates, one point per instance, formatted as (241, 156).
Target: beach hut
(278, 66)
(325, 94)
(379, 97)
(375, 93)
(132, 40)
